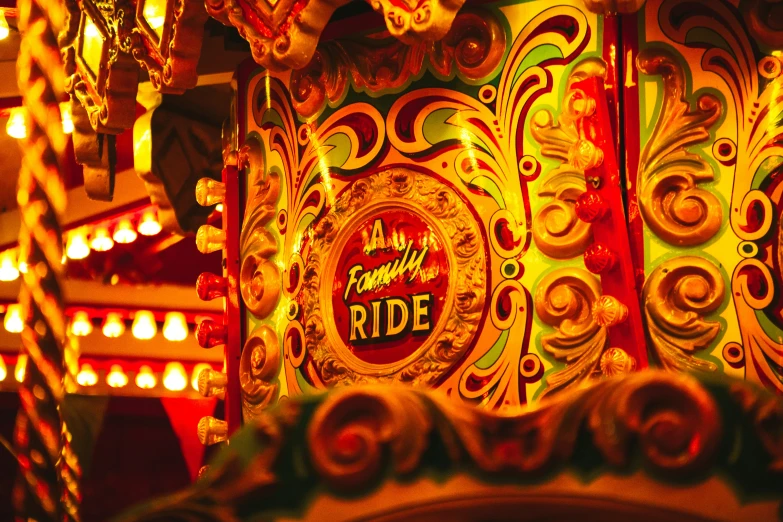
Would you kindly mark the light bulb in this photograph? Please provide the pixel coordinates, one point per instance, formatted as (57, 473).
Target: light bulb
(124, 233)
(81, 324)
(145, 379)
(196, 372)
(113, 325)
(174, 377)
(21, 365)
(116, 377)
(4, 29)
(149, 225)
(101, 240)
(17, 126)
(22, 267)
(13, 321)
(3, 369)
(65, 113)
(144, 326)
(77, 247)
(8, 270)
(219, 207)
(175, 328)
(87, 376)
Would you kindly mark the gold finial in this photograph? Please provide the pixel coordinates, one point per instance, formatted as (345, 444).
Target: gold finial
(608, 311)
(210, 239)
(212, 430)
(616, 361)
(210, 192)
(212, 383)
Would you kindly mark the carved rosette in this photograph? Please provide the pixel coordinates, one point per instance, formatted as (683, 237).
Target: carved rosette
(259, 281)
(557, 231)
(453, 223)
(564, 300)
(283, 34)
(677, 297)
(673, 205)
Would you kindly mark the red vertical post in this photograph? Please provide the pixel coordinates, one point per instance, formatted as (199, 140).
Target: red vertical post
(233, 314)
(610, 254)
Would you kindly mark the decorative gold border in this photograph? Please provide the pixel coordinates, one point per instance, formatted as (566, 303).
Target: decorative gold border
(439, 206)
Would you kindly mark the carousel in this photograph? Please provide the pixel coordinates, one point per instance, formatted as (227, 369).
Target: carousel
(483, 260)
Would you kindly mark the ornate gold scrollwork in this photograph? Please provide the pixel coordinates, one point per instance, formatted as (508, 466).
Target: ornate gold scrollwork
(257, 369)
(677, 296)
(672, 418)
(474, 46)
(451, 337)
(259, 277)
(672, 204)
(564, 300)
(556, 229)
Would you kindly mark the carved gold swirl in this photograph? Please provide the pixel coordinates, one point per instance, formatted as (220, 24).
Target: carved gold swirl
(258, 368)
(564, 300)
(474, 46)
(671, 419)
(677, 296)
(259, 277)
(556, 229)
(459, 322)
(672, 204)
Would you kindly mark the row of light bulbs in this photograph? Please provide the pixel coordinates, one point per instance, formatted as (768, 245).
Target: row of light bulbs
(144, 327)
(79, 243)
(173, 378)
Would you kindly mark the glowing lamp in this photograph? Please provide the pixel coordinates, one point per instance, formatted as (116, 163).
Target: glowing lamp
(8, 270)
(16, 127)
(175, 328)
(4, 29)
(196, 372)
(23, 267)
(144, 326)
(77, 247)
(145, 379)
(149, 225)
(21, 366)
(113, 325)
(87, 376)
(174, 377)
(116, 377)
(13, 321)
(81, 324)
(219, 207)
(101, 240)
(3, 369)
(65, 113)
(124, 233)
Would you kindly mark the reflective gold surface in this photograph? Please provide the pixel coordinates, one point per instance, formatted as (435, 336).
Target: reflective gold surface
(677, 297)
(257, 369)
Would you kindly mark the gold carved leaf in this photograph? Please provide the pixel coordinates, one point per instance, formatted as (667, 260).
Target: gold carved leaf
(672, 204)
(677, 296)
(564, 300)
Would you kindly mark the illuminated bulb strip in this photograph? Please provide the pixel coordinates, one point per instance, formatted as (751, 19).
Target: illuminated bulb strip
(101, 240)
(145, 379)
(87, 376)
(144, 326)
(3, 369)
(4, 29)
(175, 328)
(8, 269)
(13, 322)
(124, 233)
(65, 113)
(113, 326)
(149, 225)
(174, 377)
(116, 378)
(17, 125)
(81, 324)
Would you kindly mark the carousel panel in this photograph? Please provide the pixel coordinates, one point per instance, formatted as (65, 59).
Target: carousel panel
(438, 214)
(705, 204)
